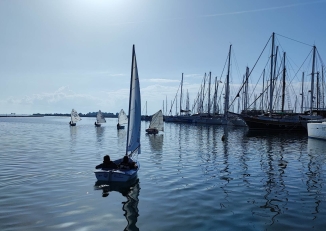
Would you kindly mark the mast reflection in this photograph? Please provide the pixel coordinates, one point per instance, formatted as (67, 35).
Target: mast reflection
(130, 190)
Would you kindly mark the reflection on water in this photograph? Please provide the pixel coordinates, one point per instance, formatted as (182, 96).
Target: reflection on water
(155, 141)
(100, 134)
(130, 190)
(316, 152)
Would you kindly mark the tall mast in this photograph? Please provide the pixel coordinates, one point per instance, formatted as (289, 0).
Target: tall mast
(302, 96)
(317, 90)
(209, 95)
(227, 89)
(246, 90)
(262, 94)
(271, 80)
(131, 81)
(181, 94)
(283, 86)
(312, 80)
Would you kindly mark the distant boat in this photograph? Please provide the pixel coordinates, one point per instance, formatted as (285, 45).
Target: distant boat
(317, 130)
(122, 120)
(99, 119)
(156, 124)
(74, 118)
(133, 134)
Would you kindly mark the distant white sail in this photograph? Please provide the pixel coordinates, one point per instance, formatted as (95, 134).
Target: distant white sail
(134, 122)
(122, 119)
(100, 118)
(157, 121)
(74, 116)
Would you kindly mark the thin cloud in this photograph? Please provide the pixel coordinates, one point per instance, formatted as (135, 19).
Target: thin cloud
(263, 9)
(161, 80)
(225, 14)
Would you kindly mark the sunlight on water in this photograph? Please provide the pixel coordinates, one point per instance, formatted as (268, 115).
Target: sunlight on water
(189, 178)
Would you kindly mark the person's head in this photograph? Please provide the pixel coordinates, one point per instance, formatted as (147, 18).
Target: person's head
(106, 159)
(125, 159)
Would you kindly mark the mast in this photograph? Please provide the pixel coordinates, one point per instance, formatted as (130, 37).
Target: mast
(209, 95)
(271, 80)
(317, 91)
(131, 81)
(166, 104)
(312, 80)
(302, 96)
(246, 90)
(262, 98)
(227, 89)
(181, 94)
(283, 86)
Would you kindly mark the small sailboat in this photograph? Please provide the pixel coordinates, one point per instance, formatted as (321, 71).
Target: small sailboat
(133, 133)
(99, 119)
(74, 117)
(122, 120)
(156, 124)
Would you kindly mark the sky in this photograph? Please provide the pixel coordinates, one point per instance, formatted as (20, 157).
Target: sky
(64, 54)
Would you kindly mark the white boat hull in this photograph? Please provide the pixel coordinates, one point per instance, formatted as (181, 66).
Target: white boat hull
(317, 130)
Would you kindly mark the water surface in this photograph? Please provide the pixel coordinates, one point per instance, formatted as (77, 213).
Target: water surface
(189, 179)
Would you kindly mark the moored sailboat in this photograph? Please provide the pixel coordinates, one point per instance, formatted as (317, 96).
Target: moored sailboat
(133, 134)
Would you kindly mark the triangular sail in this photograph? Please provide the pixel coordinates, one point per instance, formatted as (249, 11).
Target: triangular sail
(74, 116)
(157, 121)
(100, 118)
(134, 122)
(122, 118)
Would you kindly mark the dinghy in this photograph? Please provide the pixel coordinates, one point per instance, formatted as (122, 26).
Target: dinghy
(122, 120)
(74, 117)
(99, 119)
(156, 124)
(133, 133)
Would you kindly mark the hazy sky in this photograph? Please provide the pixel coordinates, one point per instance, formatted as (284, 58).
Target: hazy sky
(64, 54)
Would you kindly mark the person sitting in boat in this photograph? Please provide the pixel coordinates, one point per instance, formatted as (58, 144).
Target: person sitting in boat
(127, 164)
(107, 163)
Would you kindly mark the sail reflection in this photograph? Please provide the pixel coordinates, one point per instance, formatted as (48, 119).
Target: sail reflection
(130, 190)
(100, 133)
(156, 142)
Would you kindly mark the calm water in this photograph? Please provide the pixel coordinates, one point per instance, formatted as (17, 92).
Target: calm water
(189, 179)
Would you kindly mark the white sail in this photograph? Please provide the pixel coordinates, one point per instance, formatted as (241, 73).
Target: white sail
(134, 122)
(100, 118)
(74, 116)
(157, 121)
(122, 118)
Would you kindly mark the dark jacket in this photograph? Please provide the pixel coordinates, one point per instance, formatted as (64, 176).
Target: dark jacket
(110, 165)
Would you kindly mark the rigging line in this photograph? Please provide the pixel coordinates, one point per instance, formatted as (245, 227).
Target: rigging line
(322, 61)
(251, 70)
(294, 40)
(300, 67)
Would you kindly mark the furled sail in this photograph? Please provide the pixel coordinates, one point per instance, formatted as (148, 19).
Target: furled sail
(74, 116)
(100, 118)
(134, 122)
(157, 121)
(122, 119)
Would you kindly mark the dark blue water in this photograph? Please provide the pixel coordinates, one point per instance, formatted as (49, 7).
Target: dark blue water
(189, 179)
